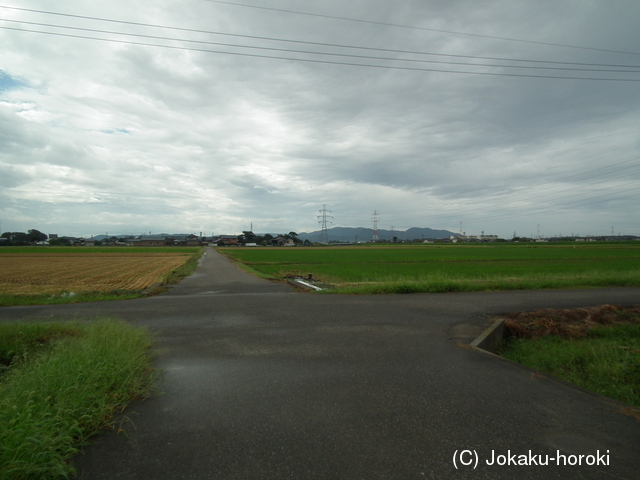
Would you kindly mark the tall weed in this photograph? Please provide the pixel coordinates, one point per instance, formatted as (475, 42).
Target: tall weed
(53, 400)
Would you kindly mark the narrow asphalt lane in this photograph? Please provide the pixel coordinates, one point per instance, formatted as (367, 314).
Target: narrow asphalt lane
(260, 382)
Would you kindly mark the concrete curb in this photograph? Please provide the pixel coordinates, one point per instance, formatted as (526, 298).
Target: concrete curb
(491, 339)
(300, 286)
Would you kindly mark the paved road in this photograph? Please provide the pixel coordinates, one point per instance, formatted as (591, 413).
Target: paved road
(261, 382)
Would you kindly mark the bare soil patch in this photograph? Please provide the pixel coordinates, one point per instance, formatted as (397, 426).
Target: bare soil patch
(567, 323)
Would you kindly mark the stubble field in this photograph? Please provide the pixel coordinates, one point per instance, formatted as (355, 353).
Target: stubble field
(37, 273)
(41, 271)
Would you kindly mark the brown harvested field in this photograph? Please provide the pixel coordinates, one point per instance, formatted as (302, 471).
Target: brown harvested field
(37, 273)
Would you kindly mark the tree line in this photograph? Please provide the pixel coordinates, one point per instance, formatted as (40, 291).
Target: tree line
(267, 239)
(22, 238)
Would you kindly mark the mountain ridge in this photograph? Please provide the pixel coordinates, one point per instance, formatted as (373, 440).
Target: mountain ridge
(362, 234)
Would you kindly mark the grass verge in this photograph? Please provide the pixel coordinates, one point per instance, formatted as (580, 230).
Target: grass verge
(594, 348)
(62, 383)
(48, 299)
(447, 284)
(184, 270)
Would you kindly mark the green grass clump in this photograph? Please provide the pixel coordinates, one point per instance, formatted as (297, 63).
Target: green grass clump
(605, 360)
(65, 382)
(20, 339)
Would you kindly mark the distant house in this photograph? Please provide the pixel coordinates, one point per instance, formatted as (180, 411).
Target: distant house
(193, 241)
(281, 241)
(90, 243)
(226, 240)
(150, 241)
(473, 238)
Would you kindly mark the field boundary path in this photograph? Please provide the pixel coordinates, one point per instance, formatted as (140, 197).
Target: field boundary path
(216, 274)
(263, 383)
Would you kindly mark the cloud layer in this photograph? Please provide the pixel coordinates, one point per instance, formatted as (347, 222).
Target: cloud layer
(99, 133)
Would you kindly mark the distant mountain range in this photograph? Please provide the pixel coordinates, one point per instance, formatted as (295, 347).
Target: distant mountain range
(99, 238)
(351, 234)
(345, 234)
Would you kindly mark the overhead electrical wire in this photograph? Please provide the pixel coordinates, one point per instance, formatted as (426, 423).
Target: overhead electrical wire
(484, 215)
(522, 194)
(530, 64)
(479, 210)
(328, 62)
(303, 42)
(603, 168)
(529, 212)
(492, 37)
(524, 211)
(561, 206)
(562, 193)
(333, 54)
(601, 68)
(479, 217)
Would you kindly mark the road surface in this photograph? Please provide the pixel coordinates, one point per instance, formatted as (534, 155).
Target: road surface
(261, 382)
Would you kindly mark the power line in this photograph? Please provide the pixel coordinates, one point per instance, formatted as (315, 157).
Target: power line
(536, 210)
(562, 193)
(479, 210)
(602, 168)
(302, 42)
(326, 62)
(562, 206)
(351, 64)
(519, 193)
(492, 37)
(202, 42)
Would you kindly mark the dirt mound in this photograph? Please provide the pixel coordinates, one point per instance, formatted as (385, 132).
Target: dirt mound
(567, 323)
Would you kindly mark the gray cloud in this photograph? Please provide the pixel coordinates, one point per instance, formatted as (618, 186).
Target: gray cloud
(101, 135)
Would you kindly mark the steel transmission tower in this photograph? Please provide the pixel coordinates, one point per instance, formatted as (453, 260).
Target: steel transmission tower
(375, 225)
(324, 233)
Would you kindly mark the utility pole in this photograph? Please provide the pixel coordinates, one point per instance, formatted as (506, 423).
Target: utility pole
(375, 225)
(322, 220)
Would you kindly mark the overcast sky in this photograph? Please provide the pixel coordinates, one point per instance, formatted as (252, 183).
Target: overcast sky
(501, 116)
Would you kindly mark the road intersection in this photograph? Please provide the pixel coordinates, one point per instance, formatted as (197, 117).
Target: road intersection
(261, 382)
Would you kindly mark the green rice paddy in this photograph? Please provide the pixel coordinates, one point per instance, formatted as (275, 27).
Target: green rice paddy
(446, 268)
